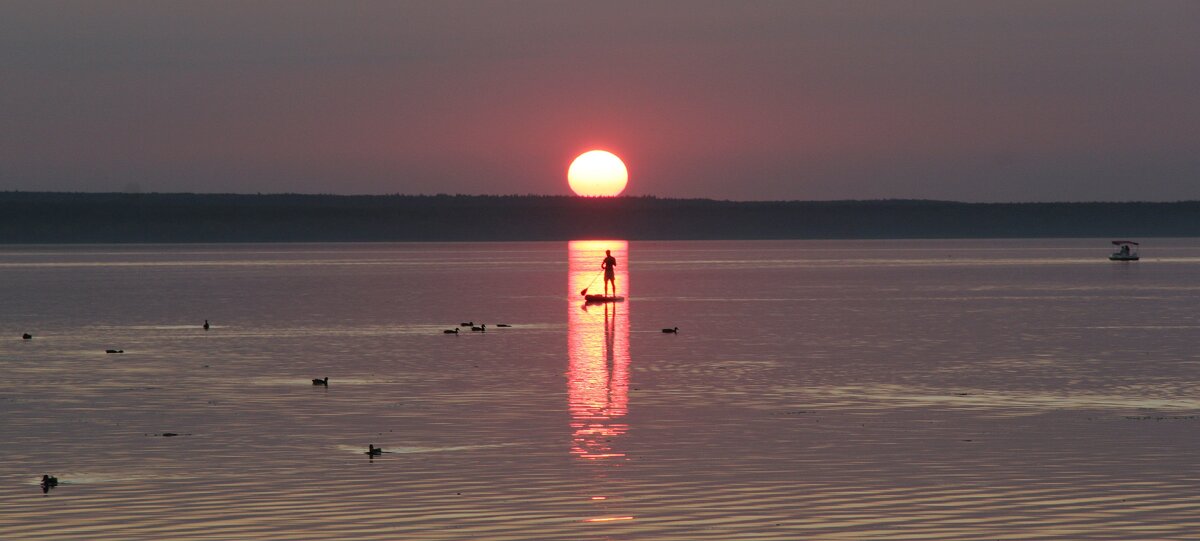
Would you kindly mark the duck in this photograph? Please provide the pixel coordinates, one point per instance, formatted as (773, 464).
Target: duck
(374, 451)
(206, 324)
(48, 481)
(27, 336)
(672, 331)
(114, 351)
(504, 325)
(467, 324)
(451, 331)
(481, 328)
(324, 381)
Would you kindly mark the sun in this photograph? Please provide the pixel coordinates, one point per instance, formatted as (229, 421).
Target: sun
(597, 173)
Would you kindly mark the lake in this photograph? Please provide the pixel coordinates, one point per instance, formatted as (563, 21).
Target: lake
(964, 390)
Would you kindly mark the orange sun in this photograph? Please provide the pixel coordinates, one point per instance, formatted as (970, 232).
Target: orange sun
(597, 173)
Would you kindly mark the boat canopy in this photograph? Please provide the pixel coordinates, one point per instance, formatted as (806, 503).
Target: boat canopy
(1120, 242)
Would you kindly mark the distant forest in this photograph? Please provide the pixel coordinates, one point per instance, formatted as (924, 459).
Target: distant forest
(35, 217)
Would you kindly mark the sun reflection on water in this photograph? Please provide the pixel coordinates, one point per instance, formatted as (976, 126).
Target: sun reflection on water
(598, 351)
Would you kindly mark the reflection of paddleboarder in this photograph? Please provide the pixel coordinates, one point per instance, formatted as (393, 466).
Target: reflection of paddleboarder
(610, 272)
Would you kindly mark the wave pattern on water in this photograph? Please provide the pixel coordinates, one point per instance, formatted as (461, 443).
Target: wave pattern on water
(884, 394)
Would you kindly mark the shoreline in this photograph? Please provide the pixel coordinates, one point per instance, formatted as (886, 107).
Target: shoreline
(118, 218)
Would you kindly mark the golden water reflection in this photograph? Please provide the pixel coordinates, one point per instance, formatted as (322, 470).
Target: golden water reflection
(598, 350)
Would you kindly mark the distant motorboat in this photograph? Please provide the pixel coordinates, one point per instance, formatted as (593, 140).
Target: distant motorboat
(1127, 250)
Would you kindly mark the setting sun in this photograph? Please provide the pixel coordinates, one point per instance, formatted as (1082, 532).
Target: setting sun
(597, 173)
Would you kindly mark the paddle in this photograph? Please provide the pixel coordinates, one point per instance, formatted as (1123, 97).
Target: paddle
(584, 292)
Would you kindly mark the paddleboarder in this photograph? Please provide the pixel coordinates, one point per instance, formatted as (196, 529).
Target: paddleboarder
(610, 272)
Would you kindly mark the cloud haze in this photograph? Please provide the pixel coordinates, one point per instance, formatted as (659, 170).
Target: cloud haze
(974, 101)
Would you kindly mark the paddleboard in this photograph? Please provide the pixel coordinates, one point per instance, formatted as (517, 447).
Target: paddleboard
(602, 298)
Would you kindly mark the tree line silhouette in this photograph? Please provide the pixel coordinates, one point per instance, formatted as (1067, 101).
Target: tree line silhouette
(46, 217)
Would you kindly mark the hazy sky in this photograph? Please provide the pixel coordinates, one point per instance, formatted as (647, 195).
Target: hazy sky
(963, 100)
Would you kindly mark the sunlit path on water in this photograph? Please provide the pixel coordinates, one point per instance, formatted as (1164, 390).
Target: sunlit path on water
(817, 390)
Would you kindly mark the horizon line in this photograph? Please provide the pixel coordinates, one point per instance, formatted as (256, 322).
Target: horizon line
(596, 198)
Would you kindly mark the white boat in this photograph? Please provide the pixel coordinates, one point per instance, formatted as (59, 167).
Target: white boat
(1127, 250)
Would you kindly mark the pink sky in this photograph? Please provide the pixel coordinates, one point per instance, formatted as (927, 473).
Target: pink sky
(972, 101)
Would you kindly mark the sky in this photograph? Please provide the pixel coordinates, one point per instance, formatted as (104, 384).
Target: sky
(961, 100)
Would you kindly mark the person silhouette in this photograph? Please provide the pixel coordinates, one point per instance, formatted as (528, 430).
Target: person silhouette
(610, 272)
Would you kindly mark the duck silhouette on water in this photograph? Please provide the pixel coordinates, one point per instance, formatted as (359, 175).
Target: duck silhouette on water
(27, 336)
(672, 331)
(48, 483)
(323, 382)
(374, 451)
(451, 331)
(206, 324)
(481, 328)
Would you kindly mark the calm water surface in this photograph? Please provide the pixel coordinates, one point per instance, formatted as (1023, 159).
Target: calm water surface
(963, 390)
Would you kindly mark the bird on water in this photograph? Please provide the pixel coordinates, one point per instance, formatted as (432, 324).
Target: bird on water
(672, 331)
(451, 331)
(324, 381)
(374, 451)
(481, 328)
(206, 324)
